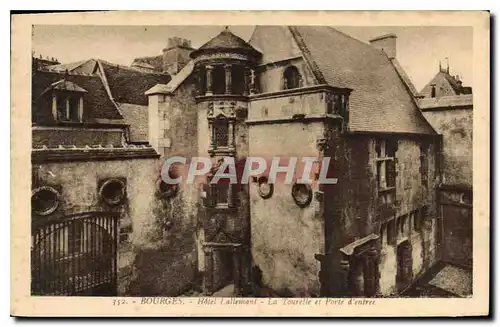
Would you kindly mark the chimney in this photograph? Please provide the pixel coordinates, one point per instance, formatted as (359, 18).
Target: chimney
(387, 43)
(176, 55)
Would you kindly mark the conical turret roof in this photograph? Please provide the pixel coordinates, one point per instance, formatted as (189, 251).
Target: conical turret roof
(225, 41)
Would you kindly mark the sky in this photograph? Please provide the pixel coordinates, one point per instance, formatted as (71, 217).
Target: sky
(419, 49)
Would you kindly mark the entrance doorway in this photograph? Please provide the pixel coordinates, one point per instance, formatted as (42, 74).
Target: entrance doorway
(404, 273)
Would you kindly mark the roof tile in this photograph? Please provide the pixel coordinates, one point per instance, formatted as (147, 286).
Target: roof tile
(379, 101)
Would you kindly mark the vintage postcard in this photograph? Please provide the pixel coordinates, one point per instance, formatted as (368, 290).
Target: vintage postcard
(250, 164)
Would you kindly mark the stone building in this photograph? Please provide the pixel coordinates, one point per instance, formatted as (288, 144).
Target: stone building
(449, 109)
(304, 92)
(99, 207)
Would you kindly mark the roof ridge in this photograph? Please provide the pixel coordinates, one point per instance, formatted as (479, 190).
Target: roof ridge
(308, 58)
(107, 88)
(130, 68)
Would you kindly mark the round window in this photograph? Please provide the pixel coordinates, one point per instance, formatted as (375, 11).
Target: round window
(112, 191)
(44, 200)
(166, 190)
(302, 194)
(265, 189)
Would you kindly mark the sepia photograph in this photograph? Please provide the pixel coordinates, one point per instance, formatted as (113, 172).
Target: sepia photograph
(236, 164)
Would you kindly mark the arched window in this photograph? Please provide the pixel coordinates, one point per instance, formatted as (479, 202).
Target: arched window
(291, 78)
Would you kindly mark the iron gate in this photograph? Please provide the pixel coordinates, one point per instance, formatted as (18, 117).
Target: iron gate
(75, 255)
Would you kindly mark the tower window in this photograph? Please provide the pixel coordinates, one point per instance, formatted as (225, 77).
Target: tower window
(238, 79)
(291, 78)
(221, 133)
(202, 80)
(219, 80)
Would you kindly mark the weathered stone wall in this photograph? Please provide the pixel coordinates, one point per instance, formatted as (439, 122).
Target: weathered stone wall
(353, 207)
(284, 236)
(457, 226)
(284, 107)
(456, 127)
(271, 76)
(173, 124)
(411, 195)
(151, 260)
(173, 121)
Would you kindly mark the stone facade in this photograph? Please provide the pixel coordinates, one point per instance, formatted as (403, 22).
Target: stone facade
(373, 233)
(152, 248)
(451, 116)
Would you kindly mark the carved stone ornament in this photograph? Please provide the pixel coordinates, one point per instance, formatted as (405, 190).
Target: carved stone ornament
(266, 189)
(210, 111)
(223, 109)
(112, 191)
(166, 190)
(321, 144)
(44, 200)
(302, 194)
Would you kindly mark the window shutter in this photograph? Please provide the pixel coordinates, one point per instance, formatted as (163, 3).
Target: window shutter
(209, 200)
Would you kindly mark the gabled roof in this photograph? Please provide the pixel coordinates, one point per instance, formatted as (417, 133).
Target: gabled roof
(445, 85)
(380, 101)
(97, 104)
(286, 48)
(174, 83)
(137, 117)
(154, 61)
(69, 67)
(64, 85)
(126, 84)
(225, 41)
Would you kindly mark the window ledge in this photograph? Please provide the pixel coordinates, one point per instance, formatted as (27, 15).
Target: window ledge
(384, 158)
(387, 189)
(221, 208)
(222, 150)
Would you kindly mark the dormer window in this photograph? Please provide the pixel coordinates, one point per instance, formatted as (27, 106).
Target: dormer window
(291, 78)
(68, 107)
(67, 101)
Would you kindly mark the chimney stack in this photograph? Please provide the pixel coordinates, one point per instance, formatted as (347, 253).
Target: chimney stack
(176, 55)
(386, 43)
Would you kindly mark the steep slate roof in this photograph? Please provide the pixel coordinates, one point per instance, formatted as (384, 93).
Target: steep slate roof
(137, 117)
(64, 85)
(96, 102)
(175, 82)
(128, 85)
(286, 48)
(154, 61)
(380, 101)
(446, 85)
